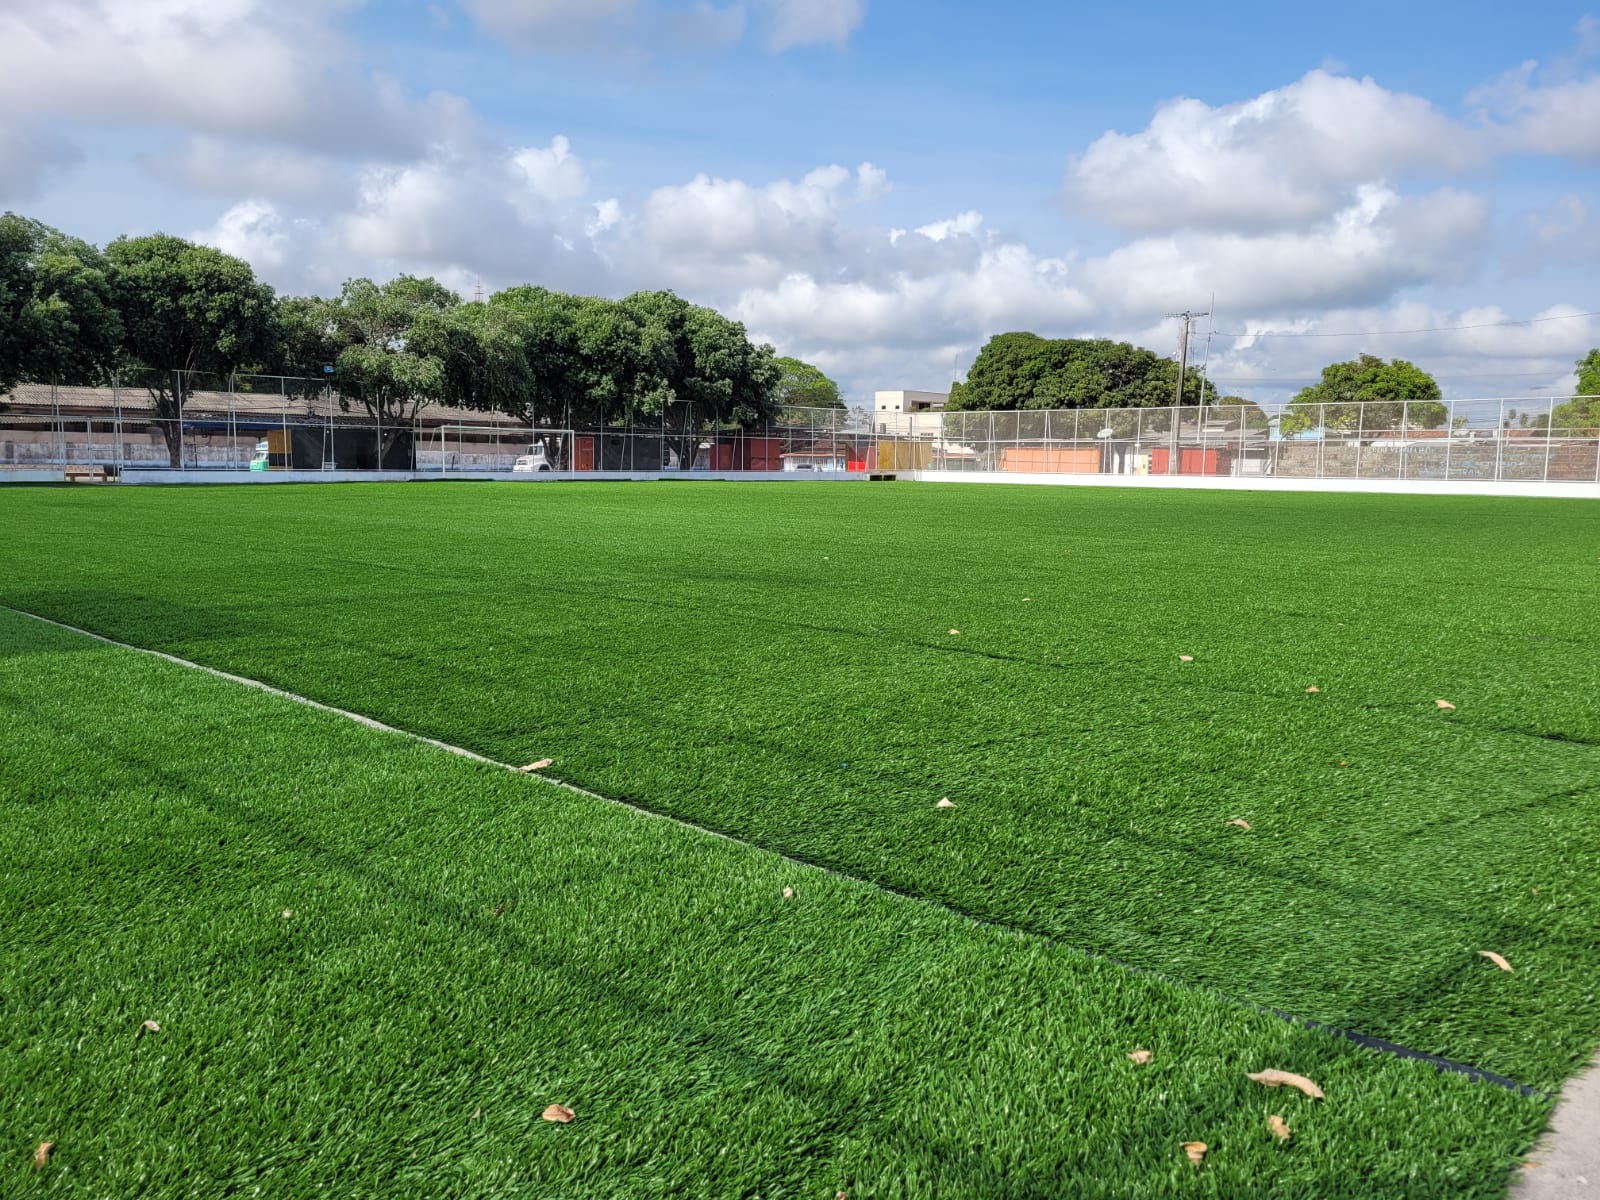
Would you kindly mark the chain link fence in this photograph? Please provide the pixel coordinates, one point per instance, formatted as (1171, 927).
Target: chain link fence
(166, 421)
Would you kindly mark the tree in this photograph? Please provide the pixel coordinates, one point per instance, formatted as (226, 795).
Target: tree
(187, 308)
(1368, 394)
(390, 346)
(800, 385)
(1581, 414)
(58, 320)
(1025, 371)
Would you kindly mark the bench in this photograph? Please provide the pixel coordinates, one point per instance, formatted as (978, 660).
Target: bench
(87, 473)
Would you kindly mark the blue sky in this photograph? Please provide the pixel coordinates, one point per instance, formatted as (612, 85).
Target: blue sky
(873, 185)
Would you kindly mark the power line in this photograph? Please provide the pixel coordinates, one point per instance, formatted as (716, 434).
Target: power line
(1393, 332)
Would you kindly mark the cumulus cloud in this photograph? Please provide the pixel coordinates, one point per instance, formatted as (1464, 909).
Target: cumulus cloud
(221, 167)
(234, 68)
(727, 231)
(1379, 243)
(635, 26)
(1287, 156)
(812, 22)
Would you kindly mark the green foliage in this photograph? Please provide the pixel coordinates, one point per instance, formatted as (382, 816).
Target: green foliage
(1024, 370)
(58, 320)
(1367, 394)
(1581, 414)
(187, 308)
(801, 385)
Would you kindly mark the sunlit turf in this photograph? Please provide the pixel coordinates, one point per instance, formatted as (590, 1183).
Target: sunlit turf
(374, 964)
(777, 662)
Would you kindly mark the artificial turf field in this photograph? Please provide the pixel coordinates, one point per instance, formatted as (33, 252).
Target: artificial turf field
(777, 663)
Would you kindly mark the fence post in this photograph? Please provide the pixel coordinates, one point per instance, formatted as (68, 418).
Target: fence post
(1549, 434)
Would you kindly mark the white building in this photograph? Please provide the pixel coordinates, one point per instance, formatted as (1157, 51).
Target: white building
(909, 412)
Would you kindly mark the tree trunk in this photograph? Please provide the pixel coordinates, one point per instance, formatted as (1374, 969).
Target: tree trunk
(165, 403)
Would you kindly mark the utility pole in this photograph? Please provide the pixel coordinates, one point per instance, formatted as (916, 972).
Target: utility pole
(1188, 318)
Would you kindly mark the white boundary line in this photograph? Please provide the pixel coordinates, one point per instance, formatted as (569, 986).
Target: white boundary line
(463, 752)
(1378, 1045)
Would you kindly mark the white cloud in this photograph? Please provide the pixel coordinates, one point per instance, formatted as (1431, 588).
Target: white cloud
(1380, 243)
(253, 230)
(641, 26)
(1556, 118)
(1291, 155)
(812, 22)
(216, 165)
(235, 68)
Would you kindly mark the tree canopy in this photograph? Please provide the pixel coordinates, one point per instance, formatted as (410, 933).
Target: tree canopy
(58, 320)
(1582, 412)
(187, 308)
(1024, 370)
(1368, 394)
(801, 385)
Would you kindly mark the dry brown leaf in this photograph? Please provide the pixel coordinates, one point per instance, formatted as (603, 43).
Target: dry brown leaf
(1444, 704)
(1240, 822)
(1342, 763)
(1140, 1057)
(42, 1155)
(149, 1027)
(1185, 658)
(560, 1113)
(1196, 1152)
(954, 632)
(788, 893)
(1495, 959)
(945, 802)
(1280, 1128)
(1530, 1165)
(540, 765)
(1273, 1078)
(1313, 690)
(841, 1196)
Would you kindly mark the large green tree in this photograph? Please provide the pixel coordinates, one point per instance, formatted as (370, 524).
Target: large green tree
(1368, 394)
(58, 319)
(1581, 414)
(390, 346)
(1026, 371)
(801, 385)
(187, 309)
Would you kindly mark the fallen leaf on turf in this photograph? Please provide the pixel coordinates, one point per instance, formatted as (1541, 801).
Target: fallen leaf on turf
(1280, 1128)
(540, 765)
(560, 1113)
(42, 1155)
(1196, 1152)
(841, 1196)
(1185, 658)
(1313, 690)
(954, 632)
(476, 1113)
(287, 913)
(1027, 599)
(1530, 1165)
(149, 1027)
(1496, 959)
(1444, 704)
(1140, 1057)
(788, 893)
(1240, 822)
(1342, 763)
(946, 803)
(1273, 1078)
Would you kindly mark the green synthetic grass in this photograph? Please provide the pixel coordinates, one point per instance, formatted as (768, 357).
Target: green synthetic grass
(374, 964)
(776, 663)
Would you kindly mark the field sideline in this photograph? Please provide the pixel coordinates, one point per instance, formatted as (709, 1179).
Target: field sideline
(781, 665)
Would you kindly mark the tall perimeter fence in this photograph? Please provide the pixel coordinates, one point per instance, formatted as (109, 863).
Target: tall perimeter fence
(271, 423)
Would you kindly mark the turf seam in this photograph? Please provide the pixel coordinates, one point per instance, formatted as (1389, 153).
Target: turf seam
(1365, 1041)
